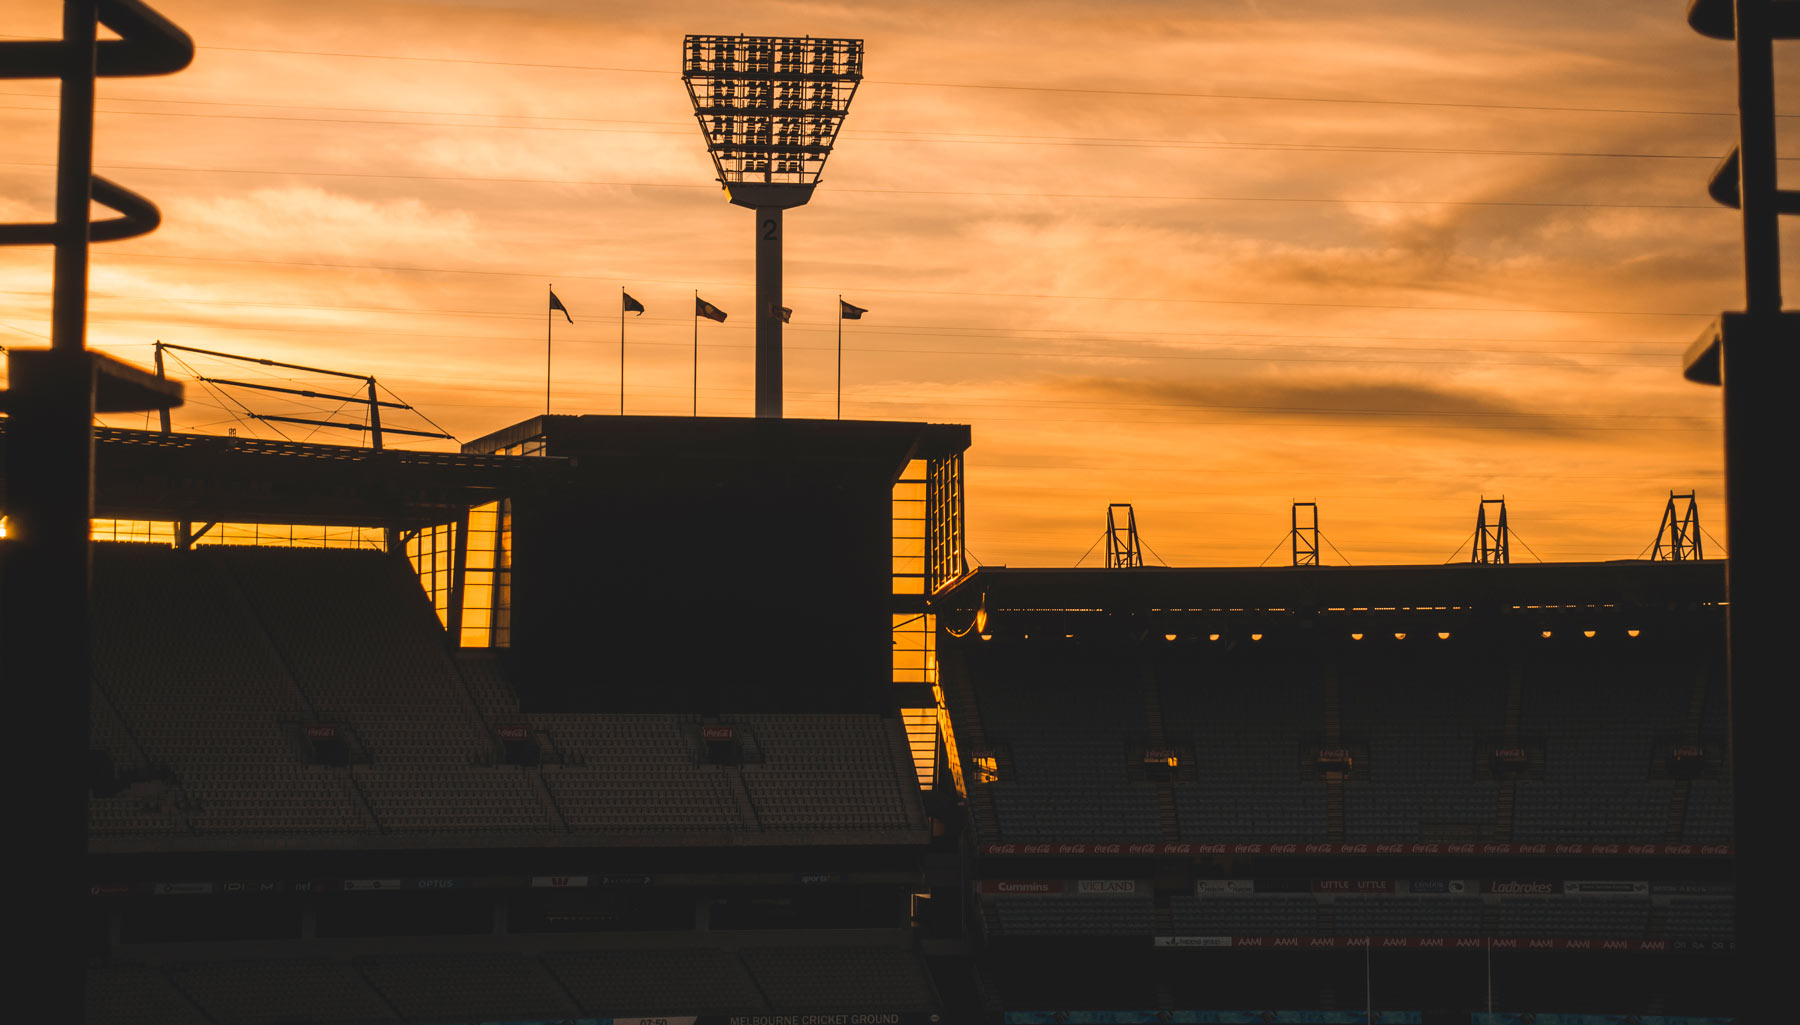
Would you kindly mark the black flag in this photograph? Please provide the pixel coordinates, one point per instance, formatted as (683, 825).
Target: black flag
(849, 312)
(556, 304)
(632, 305)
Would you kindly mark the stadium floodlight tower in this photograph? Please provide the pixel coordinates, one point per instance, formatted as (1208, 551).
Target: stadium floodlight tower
(770, 107)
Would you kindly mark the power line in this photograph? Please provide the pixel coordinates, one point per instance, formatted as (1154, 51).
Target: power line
(951, 138)
(974, 194)
(933, 136)
(1179, 300)
(963, 331)
(1009, 87)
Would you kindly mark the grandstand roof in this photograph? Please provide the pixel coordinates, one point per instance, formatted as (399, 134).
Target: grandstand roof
(147, 475)
(714, 437)
(1318, 588)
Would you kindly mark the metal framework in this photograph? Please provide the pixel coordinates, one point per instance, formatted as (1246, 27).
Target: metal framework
(1678, 539)
(1305, 535)
(1493, 543)
(770, 108)
(373, 426)
(51, 398)
(944, 516)
(1123, 548)
(1754, 355)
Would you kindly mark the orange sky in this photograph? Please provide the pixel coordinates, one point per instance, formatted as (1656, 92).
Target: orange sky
(1204, 258)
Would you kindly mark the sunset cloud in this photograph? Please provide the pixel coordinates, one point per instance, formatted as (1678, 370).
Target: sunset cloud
(1209, 258)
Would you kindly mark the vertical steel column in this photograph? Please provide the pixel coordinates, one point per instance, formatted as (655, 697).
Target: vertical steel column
(74, 177)
(1756, 156)
(374, 417)
(44, 590)
(1757, 371)
(768, 311)
(162, 414)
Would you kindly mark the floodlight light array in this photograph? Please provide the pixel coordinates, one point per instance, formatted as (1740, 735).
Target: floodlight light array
(770, 106)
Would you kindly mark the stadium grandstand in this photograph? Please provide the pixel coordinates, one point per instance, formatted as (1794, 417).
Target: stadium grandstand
(701, 719)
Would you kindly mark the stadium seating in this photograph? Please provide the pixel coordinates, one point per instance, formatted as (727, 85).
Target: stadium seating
(1248, 727)
(826, 771)
(1274, 914)
(1590, 812)
(137, 994)
(467, 988)
(1070, 723)
(211, 662)
(450, 988)
(1700, 918)
(1588, 918)
(1598, 723)
(642, 982)
(1049, 914)
(1417, 728)
(278, 991)
(1404, 915)
(816, 978)
(1708, 819)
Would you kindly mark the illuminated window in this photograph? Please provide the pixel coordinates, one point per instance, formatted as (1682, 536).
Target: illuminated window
(528, 447)
(909, 529)
(430, 552)
(944, 511)
(266, 535)
(143, 531)
(915, 662)
(987, 767)
(487, 578)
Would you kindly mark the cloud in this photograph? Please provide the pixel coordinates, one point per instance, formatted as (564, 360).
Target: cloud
(1361, 398)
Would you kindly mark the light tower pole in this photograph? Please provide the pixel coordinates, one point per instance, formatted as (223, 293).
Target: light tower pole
(770, 108)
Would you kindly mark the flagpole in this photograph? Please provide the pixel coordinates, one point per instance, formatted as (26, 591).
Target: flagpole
(621, 350)
(840, 372)
(696, 352)
(550, 290)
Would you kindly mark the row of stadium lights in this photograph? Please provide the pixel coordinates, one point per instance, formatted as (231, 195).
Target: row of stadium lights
(1443, 635)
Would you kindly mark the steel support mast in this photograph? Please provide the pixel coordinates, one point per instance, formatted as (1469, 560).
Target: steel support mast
(770, 108)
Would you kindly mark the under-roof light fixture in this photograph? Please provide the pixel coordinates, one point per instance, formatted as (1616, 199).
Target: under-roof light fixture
(1546, 634)
(770, 108)
(1168, 637)
(1587, 633)
(1256, 637)
(1633, 633)
(1443, 635)
(1399, 637)
(1212, 637)
(1356, 637)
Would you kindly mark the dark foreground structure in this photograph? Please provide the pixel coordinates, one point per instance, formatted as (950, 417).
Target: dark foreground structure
(701, 719)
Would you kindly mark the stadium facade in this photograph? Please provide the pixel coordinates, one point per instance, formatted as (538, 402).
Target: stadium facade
(695, 718)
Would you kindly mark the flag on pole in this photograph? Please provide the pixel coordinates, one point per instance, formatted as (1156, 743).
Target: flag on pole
(786, 314)
(849, 312)
(702, 308)
(632, 305)
(556, 304)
